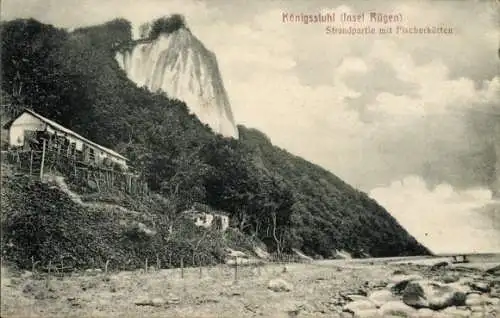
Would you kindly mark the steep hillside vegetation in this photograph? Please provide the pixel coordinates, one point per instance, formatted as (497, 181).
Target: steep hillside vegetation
(42, 223)
(327, 212)
(270, 194)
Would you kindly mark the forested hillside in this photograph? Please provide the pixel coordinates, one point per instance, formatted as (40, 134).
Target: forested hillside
(279, 198)
(328, 212)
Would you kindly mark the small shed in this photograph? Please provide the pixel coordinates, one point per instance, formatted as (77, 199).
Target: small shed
(206, 217)
(29, 125)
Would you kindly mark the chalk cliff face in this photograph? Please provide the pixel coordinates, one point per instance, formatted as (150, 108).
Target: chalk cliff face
(182, 67)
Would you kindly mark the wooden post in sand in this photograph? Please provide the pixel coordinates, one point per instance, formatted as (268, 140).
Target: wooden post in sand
(200, 265)
(48, 276)
(235, 268)
(33, 264)
(182, 267)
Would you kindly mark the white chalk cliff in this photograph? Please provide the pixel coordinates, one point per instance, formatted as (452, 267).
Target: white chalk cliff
(182, 67)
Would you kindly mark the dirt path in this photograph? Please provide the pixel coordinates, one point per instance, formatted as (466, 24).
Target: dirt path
(75, 197)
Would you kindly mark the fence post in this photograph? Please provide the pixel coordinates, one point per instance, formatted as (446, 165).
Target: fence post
(146, 266)
(235, 268)
(33, 265)
(48, 276)
(106, 266)
(200, 264)
(97, 177)
(182, 267)
(19, 160)
(43, 158)
(31, 163)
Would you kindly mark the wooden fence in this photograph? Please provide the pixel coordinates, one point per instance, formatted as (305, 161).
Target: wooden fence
(228, 268)
(37, 163)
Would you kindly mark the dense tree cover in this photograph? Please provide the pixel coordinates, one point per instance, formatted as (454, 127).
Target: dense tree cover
(111, 33)
(166, 25)
(327, 212)
(281, 199)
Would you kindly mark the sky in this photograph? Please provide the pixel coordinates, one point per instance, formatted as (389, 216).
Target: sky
(406, 118)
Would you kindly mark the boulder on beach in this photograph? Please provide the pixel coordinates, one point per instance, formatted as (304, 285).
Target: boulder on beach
(379, 297)
(354, 291)
(474, 299)
(279, 285)
(495, 301)
(377, 284)
(450, 278)
(414, 295)
(495, 270)
(399, 278)
(361, 308)
(354, 297)
(495, 293)
(157, 302)
(456, 312)
(368, 313)
(439, 265)
(396, 309)
(462, 285)
(143, 301)
(424, 313)
(430, 294)
(482, 286)
(398, 282)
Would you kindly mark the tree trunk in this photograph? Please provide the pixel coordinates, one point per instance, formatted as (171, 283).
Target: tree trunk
(278, 244)
(243, 221)
(257, 228)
